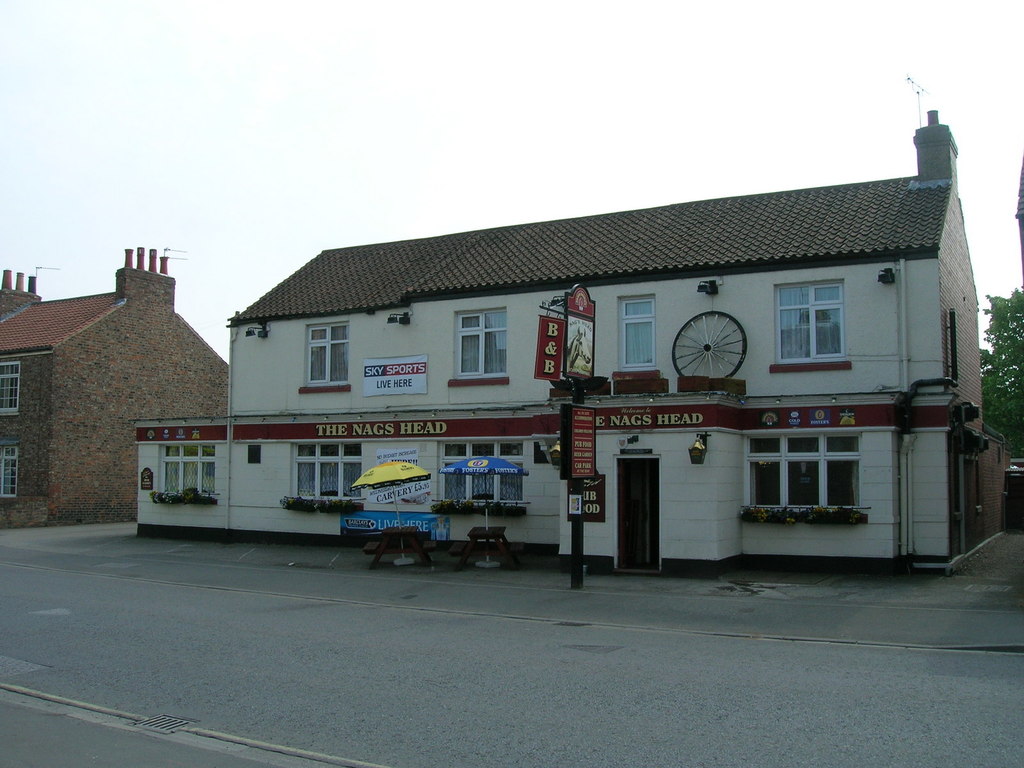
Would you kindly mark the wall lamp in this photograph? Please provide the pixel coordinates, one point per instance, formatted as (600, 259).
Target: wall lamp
(555, 454)
(710, 287)
(402, 318)
(887, 276)
(260, 331)
(699, 449)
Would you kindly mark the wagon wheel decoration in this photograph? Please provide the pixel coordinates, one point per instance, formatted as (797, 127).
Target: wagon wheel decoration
(709, 344)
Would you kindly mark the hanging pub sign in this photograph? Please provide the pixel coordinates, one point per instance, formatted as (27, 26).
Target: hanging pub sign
(550, 348)
(591, 502)
(579, 334)
(579, 434)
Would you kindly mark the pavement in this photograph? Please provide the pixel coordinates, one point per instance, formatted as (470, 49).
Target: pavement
(979, 607)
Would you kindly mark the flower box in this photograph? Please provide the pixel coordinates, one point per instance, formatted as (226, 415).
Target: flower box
(187, 496)
(808, 515)
(470, 507)
(302, 504)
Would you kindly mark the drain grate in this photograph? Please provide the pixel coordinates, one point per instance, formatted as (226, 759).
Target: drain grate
(163, 723)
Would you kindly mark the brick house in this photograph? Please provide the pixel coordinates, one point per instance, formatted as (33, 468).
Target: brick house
(75, 374)
(817, 349)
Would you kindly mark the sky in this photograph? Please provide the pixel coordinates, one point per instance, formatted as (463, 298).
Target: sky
(245, 137)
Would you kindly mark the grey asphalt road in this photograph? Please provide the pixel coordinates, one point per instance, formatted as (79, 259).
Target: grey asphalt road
(306, 649)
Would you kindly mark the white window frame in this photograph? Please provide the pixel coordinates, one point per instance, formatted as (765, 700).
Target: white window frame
(792, 449)
(180, 456)
(10, 386)
(342, 460)
(503, 488)
(9, 470)
(328, 340)
(482, 336)
(813, 306)
(632, 323)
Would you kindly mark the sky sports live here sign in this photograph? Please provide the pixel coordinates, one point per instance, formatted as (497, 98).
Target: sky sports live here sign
(395, 376)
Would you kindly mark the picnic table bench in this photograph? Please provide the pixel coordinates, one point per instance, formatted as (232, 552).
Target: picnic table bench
(404, 540)
(485, 542)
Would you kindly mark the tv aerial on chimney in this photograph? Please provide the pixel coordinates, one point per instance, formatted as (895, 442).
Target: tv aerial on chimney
(918, 90)
(174, 250)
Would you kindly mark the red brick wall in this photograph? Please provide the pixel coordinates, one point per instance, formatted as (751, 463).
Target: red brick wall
(957, 291)
(30, 427)
(139, 361)
(11, 299)
(991, 468)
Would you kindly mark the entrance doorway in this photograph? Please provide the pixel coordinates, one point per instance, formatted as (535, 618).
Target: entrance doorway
(639, 524)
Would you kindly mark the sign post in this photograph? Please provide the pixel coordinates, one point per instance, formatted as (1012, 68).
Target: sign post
(578, 429)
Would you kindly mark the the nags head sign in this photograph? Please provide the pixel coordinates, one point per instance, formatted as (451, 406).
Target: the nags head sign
(395, 376)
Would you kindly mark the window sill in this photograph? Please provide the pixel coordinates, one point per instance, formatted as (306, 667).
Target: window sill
(838, 365)
(639, 373)
(495, 381)
(317, 390)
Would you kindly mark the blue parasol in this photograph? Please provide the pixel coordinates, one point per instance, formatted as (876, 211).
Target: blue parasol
(484, 465)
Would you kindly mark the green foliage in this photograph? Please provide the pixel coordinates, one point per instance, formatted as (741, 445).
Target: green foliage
(1002, 369)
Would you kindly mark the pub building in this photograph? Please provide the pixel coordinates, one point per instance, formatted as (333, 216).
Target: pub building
(782, 380)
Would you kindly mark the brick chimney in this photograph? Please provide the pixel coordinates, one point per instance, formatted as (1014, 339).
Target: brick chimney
(13, 294)
(135, 282)
(936, 151)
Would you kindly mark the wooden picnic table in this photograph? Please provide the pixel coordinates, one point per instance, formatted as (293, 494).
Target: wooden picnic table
(486, 541)
(400, 540)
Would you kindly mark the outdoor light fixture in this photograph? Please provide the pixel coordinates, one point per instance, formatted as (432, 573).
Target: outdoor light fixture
(260, 332)
(887, 276)
(555, 454)
(699, 449)
(402, 318)
(710, 287)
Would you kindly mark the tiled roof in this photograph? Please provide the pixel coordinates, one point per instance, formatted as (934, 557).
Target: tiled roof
(45, 324)
(872, 218)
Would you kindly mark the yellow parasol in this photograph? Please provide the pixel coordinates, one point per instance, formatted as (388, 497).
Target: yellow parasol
(391, 474)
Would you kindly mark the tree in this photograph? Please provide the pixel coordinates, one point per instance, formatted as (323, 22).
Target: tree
(1002, 369)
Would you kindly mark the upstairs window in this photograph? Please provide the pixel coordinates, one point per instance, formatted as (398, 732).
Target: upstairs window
(10, 384)
(810, 322)
(636, 331)
(328, 354)
(482, 339)
(327, 469)
(191, 465)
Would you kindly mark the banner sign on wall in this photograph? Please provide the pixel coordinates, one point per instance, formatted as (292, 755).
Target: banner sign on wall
(370, 522)
(395, 376)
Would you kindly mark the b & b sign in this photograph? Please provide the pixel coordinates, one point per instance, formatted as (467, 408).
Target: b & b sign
(550, 345)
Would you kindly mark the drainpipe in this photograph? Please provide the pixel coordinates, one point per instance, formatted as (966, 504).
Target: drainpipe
(231, 430)
(906, 493)
(904, 334)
